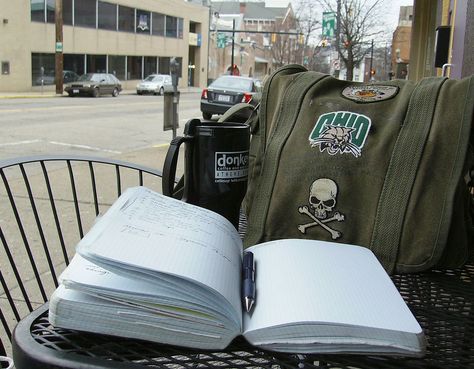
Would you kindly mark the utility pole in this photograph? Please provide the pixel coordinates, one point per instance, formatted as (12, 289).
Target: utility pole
(58, 16)
(233, 41)
(338, 34)
(371, 59)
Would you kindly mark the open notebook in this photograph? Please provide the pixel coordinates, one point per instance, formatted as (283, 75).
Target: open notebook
(158, 269)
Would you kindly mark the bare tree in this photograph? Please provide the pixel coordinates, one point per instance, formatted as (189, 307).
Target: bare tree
(285, 46)
(360, 22)
(308, 19)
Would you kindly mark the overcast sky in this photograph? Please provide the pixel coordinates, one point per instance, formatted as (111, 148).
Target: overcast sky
(393, 8)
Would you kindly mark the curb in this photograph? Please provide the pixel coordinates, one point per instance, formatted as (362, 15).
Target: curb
(27, 96)
(40, 96)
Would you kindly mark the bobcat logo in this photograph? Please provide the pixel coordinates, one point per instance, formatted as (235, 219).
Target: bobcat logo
(336, 140)
(340, 132)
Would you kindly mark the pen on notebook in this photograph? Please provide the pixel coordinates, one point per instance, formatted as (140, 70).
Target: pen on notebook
(248, 285)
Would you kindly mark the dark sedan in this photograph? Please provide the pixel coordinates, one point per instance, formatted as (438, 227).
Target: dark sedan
(95, 84)
(227, 91)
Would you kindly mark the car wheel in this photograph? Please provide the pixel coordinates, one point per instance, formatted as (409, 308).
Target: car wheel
(206, 116)
(95, 92)
(161, 91)
(115, 92)
(70, 94)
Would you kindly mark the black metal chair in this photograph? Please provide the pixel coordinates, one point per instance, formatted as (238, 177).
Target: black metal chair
(47, 204)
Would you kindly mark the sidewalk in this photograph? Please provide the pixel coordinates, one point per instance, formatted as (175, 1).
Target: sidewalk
(49, 93)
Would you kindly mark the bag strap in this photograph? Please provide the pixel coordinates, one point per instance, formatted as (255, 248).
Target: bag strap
(267, 89)
(239, 113)
(286, 120)
(401, 172)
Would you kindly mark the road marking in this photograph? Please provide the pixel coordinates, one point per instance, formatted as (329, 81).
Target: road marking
(29, 110)
(20, 143)
(161, 145)
(84, 147)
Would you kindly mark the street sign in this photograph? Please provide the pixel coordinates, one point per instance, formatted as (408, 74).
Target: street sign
(59, 47)
(329, 24)
(221, 40)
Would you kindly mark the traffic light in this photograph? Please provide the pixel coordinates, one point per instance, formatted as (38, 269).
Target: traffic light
(301, 39)
(274, 38)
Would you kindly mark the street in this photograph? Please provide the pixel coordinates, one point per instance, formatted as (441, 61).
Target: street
(105, 126)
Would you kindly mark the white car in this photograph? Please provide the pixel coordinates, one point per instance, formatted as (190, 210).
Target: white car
(154, 84)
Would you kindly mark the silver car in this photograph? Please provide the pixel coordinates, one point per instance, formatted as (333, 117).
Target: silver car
(154, 84)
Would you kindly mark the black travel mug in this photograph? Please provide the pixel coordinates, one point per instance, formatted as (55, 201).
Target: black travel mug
(215, 167)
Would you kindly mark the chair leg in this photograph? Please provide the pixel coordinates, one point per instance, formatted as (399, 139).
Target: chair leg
(2, 349)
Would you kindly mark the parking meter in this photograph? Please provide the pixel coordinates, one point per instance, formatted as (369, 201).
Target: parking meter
(171, 99)
(174, 68)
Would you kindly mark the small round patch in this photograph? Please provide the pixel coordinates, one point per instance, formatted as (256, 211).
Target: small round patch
(369, 93)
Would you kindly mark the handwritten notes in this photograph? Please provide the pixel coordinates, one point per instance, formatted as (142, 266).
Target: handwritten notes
(147, 232)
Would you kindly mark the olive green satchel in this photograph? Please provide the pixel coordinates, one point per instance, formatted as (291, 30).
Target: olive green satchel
(385, 165)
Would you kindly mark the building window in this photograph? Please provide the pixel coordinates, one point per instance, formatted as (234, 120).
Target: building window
(171, 26)
(126, 19)
(50, 9)
(37, 10)
(96, 64)
(134, 67)
(107, 16)
(67, 12)
(6, 67)
(164, 65)
(180, 27)
(158, 24)
(143, 21)
(117, 66)
(42, 69)
(74, 63)
(85, 13)
(150, 65)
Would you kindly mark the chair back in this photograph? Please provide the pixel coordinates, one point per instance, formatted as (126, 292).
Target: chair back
(47, 204)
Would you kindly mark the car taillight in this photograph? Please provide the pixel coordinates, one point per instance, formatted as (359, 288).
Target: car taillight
(204, 94)
(246, 98)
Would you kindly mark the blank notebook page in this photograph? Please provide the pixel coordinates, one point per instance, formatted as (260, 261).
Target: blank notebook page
(315, 281)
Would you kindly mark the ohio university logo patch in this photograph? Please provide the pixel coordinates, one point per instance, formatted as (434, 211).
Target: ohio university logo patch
(340, 132)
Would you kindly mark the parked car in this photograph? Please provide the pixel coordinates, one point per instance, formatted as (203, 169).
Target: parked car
(48, 79)
(227, 91)
(95, 84)
(154, 84)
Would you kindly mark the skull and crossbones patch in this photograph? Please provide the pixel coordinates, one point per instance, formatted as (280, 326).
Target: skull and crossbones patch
(322, 201)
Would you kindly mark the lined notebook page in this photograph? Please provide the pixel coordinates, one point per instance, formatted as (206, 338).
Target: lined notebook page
(314, 281)
(146, 230)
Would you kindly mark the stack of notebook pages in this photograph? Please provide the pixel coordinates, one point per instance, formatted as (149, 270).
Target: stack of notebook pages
(158, 269)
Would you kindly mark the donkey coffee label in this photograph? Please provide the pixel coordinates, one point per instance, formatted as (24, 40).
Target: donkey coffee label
(231, 166)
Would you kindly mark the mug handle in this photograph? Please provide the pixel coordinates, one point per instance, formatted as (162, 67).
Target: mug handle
(169, 169)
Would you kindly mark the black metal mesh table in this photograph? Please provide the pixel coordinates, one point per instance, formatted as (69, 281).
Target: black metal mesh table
(442, 301)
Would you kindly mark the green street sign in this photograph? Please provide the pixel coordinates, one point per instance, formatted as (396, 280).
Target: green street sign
(221, 40)
(59, 47)
(329, 24)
